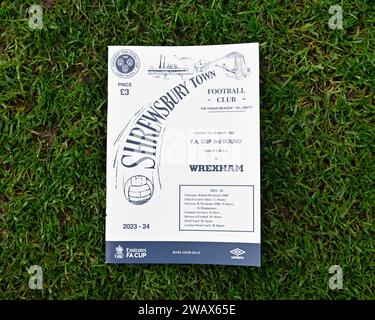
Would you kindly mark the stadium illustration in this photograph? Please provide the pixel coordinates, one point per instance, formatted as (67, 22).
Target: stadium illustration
(233, 64)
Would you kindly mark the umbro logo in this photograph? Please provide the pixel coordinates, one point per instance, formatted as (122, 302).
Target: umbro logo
(237, 253)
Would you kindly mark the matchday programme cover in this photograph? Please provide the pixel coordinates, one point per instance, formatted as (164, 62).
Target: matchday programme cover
(183, 158)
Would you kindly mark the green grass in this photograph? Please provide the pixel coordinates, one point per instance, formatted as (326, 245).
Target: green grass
(317, 131)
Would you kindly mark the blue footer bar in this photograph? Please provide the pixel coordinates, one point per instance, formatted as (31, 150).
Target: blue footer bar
(224, 253)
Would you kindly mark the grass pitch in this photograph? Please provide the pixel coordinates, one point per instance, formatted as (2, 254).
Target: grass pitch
(317, 131)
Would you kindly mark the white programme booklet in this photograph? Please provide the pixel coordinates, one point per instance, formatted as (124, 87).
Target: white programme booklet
(183, 155)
